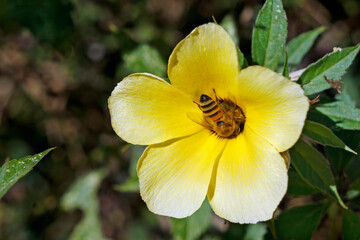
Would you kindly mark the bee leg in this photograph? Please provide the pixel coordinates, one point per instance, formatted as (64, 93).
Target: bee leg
(216, 98)
(198, 104)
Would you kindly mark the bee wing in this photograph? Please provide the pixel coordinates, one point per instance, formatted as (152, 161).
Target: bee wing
(197, 118)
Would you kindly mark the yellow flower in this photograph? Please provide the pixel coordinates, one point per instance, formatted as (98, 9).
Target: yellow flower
(232, 156)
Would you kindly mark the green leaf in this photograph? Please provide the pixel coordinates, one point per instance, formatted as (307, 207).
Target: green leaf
(285, 71)
(346, 115)
(256, 231)
(297, 186)
(350, 90)
(350, 225)
(300, 222)
(352, 169)
(299, 46)
(242, 60)
(131, 185)
(323, 135)
(83, 195)
(15, 169)
(316, 116)
(269, 34)
(340, 201)
(192, 227)
(332, 65)
(340, 159)
(312, 167)
(228, 23)
(345, 96)
(145, 59)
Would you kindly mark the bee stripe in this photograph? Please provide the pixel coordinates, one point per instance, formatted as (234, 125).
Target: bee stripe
(216, 116)
(207, 103)
(215, 110)
(210, 109)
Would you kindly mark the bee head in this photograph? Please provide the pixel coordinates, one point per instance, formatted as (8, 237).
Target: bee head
(224, 129)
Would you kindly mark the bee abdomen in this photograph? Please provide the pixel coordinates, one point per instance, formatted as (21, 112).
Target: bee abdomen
(215, 115)
(210, 108)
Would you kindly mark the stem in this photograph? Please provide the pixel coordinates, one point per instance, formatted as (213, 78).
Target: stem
(333, 215)
(271, 225)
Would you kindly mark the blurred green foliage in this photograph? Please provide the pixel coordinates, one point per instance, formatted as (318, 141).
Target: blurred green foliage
(83, 195)
(59, 62)
(192, 227)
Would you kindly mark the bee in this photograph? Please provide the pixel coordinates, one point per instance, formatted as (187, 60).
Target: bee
(222, 116)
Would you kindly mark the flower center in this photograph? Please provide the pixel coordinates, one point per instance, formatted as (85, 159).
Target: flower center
(222, 116)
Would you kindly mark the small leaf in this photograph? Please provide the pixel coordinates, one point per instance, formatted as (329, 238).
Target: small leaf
(285, 71)
(332, 66)
(300, 222)
(299, 46)
(13, 170)
(192, 227)
(323, 135)
(312, 167)
(131, 185)
(340, 201)
(228, 23)
(269, 34)
(242, 60)
(344, 114)
(350, 225)
(83, 195)
(145, 59)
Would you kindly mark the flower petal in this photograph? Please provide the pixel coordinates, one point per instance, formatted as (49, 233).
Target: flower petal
(205, 60)
(250, 180)
(174, 176)
(274, 106)
(145, 110)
